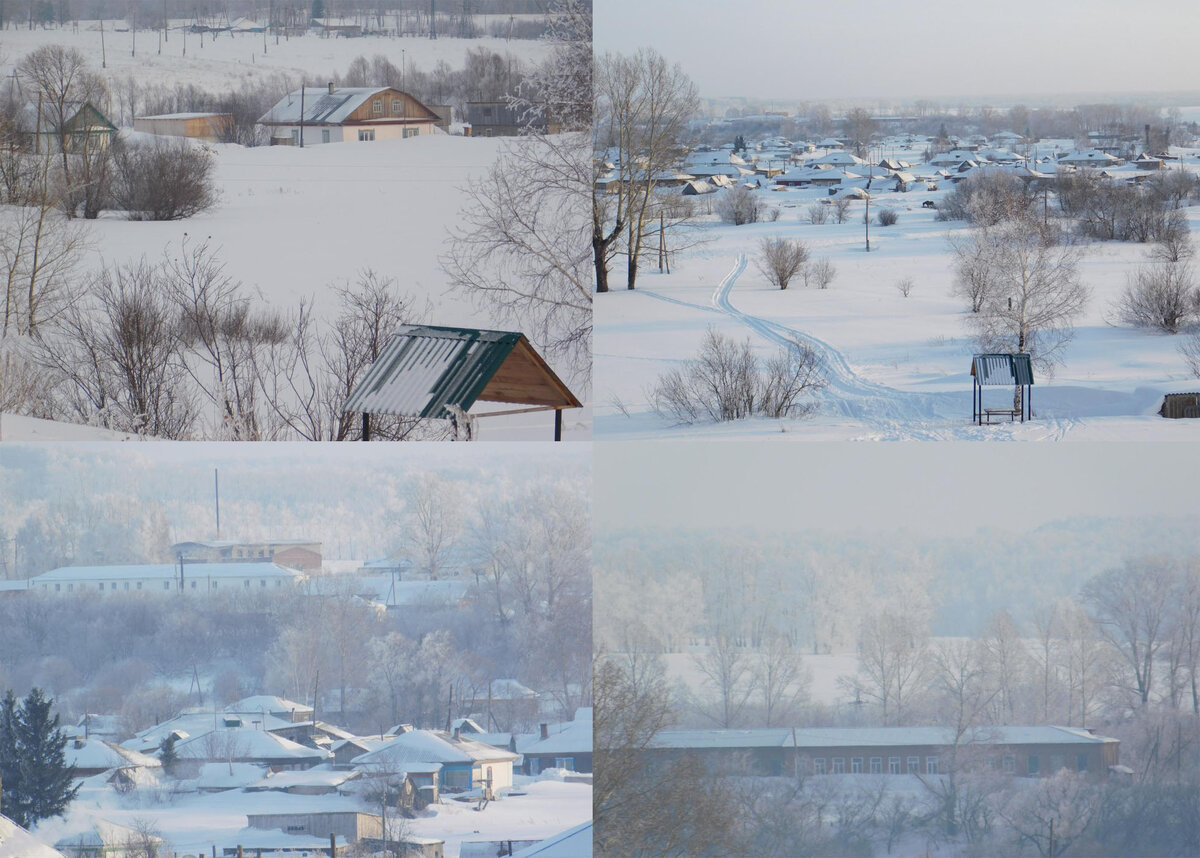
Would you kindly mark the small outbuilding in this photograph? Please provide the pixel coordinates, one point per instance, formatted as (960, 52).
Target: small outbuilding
(210, 127)
(1002, 370)
(438, 372)
(1180, 405)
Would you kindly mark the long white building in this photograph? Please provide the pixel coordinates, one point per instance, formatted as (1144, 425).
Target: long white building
(167, 577)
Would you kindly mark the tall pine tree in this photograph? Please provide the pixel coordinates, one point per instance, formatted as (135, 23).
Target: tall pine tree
(37, 779)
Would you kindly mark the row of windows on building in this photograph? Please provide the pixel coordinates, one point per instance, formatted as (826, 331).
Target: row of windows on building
(912, 765)
(166, 585)
(365, 135)
(397, 107)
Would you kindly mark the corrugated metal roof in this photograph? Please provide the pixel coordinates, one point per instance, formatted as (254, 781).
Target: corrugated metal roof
(1002, 369)
(423, 369)
(845, 737)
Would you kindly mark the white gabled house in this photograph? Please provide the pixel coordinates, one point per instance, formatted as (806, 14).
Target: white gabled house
(337, 114)
(465, 763)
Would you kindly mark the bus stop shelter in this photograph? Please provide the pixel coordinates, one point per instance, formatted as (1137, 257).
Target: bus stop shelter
(433, 372)
(1002, 370)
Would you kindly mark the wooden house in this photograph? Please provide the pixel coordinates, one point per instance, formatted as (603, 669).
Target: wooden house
(337, 114)
(83, 128)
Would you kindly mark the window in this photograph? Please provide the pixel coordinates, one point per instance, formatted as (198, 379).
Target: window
(126, 585)
(1032, 765)
(366, 134)
(166, 585)
(839, 766)
(931, 765)
(1081, 762)
(57, 587)
(377, 107)
(295, 142)
(567, 763)
(893, 765)
(535, 765)
(1010, 764)
(856, 765)
(100, 586)
(139, 585)
(876, 765)
(214, 585)
(263, 582)
(914, 765)
(818, 765)
(411, 132)
(397, 107)
(324, 135)
(246, 583)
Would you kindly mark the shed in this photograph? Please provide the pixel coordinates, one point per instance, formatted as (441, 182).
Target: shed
(1001, 370)
(212, 127)
(434, 372)
(1177, 405)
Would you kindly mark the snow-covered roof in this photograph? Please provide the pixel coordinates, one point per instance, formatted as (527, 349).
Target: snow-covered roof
(266, 703)
(16, 842)
(1088, 156)
(566, 738)
(573, 843)
(196, 722)
(510, 689)
(306, 778)
(431, 746)
(326, 107)
(243, 743)
(222, 776)
(843, 737)
(165, 572)
(99, 755)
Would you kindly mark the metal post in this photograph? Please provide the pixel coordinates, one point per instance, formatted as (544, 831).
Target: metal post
(557, 424)
(366, 426)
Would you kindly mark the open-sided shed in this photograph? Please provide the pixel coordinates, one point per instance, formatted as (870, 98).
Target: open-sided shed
(1001, 370)
(431, 372)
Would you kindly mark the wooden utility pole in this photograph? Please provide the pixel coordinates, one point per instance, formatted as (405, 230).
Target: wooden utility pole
(301, 114)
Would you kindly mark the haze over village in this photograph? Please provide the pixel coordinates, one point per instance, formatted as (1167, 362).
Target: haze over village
(379, 662)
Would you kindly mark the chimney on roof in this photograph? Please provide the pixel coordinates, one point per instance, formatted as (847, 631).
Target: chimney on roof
(78, 743)
(457, 733)
(545, 728)
(331, 87)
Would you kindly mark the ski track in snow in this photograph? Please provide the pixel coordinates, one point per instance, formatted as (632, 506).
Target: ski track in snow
(891, 414)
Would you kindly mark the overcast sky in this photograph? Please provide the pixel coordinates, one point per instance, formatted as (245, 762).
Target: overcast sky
(937, 489)
(923, 49)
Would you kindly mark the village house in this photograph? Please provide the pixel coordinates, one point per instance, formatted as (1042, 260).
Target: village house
(84, 128)
(245, 745)
(465, 763)
(336, 114)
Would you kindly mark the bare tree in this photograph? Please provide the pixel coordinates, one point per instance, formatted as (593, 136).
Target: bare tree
(781, 259)
(780, 679)
(164, 179)
(522, 247)
(118, 350)
(1031, 292)
(1131, 605)
(740, 205)
(1161, 295)
(893, 661)
(40, 250)
(643, 106)
(841, 209)
(727, 671)
(727, 382)
(433, 521)
(819, 273)
(63, 84)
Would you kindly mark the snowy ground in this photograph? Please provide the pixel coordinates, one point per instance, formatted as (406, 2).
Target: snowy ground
(192, 823)
(228, 60)
(898, 367)
(290, 221)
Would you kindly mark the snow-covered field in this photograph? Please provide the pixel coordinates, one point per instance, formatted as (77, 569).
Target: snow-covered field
(291, 221)
(898, 367)
(230, 59)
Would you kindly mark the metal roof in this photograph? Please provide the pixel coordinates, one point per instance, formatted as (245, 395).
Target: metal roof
(1002, 369)
(861, 737)
(423, 369)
